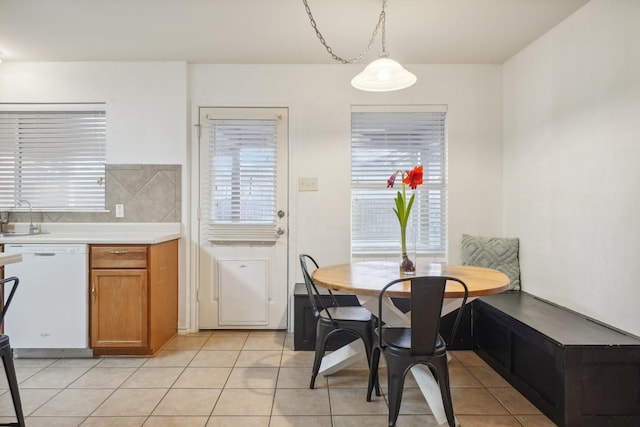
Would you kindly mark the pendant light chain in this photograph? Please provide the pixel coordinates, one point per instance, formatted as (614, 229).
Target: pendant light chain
(381, 22)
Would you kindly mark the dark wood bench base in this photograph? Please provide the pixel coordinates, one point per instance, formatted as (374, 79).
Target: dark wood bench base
(576, 371)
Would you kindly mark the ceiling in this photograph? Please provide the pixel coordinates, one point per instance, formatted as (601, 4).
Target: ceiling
(272, 31)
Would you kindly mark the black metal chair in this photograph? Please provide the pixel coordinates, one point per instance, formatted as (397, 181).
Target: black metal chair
(334, 319)
(420, 344)
(7, 354)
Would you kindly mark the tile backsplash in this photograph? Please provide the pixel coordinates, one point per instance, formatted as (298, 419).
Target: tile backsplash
(149, 193)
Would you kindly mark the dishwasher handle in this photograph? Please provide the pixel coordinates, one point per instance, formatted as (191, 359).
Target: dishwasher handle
(44, 254)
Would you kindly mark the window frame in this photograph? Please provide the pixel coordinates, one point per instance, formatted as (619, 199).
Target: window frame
(388, 150)
(239, 228)
(54, 156)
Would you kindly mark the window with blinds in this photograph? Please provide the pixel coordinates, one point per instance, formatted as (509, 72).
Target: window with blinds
(384, 140)
(239, 177)
(53, 156)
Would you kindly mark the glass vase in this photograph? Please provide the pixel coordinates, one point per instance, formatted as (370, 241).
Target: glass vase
(408, 257)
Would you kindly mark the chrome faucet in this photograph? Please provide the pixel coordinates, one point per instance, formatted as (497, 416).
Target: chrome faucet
(32, 228)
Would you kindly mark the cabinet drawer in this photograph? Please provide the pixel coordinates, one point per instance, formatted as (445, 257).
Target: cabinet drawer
(118, 257)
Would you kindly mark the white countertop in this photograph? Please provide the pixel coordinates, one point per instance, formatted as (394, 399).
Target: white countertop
(129, 233)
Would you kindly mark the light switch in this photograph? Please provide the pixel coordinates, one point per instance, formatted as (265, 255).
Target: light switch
(308, 184)
(119, 211)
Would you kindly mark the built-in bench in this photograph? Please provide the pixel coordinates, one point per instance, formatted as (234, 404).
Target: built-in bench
(576, 371)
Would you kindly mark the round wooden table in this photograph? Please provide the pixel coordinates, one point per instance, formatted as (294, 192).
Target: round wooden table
(366, 280)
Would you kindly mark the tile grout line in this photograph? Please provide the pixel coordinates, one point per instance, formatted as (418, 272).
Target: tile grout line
(275, 390)
(170, 386)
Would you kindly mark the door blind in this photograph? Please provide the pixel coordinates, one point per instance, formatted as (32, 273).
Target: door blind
(54, 159)
(383, 142)
(241, 178)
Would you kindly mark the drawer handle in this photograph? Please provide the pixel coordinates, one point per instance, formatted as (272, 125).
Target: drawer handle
(119, 252)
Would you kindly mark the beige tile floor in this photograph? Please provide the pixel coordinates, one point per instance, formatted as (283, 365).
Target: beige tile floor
(243, 379)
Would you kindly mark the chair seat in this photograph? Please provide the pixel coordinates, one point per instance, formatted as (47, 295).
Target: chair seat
(400, 338)
(355, 313)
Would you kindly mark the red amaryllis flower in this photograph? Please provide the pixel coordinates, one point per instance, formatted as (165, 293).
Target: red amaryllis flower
(411, 178)
(392, 179)
(414, 177)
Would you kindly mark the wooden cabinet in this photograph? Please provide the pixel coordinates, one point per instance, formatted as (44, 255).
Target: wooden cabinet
(134, 297)
(118, 308)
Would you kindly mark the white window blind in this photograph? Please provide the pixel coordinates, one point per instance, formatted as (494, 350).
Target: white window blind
(54, 159)
(381, 143)
(240, 178)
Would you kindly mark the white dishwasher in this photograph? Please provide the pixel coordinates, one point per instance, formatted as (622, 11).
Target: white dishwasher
(50, 308)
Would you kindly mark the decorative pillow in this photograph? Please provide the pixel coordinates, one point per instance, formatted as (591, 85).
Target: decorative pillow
(499, 253)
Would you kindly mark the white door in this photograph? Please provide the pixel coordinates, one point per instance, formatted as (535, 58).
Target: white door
(243, 218)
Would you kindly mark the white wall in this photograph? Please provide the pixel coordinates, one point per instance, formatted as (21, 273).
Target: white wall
(571, 162)
(146, 102)
(319, 99)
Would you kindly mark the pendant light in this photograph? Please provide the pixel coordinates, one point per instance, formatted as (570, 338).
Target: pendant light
(382, 75)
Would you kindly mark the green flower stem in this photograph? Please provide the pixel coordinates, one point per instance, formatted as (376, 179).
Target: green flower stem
(402, 210)
(403, 224)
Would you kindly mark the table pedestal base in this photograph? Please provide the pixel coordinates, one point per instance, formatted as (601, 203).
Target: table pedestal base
(341, 358)
(431, 391)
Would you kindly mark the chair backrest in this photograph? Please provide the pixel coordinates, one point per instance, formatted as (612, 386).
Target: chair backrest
(7, 299)
(312, 290)
(427, 297)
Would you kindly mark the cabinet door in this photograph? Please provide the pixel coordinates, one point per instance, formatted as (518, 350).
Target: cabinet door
(119, 308)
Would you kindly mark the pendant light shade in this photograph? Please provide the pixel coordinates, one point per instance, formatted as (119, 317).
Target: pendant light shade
(383, 75)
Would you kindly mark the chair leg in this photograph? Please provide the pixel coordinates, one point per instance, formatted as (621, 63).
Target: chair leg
(373, 373)
(396, 371)
(9, 368)
(321, 339)
(368, 340)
